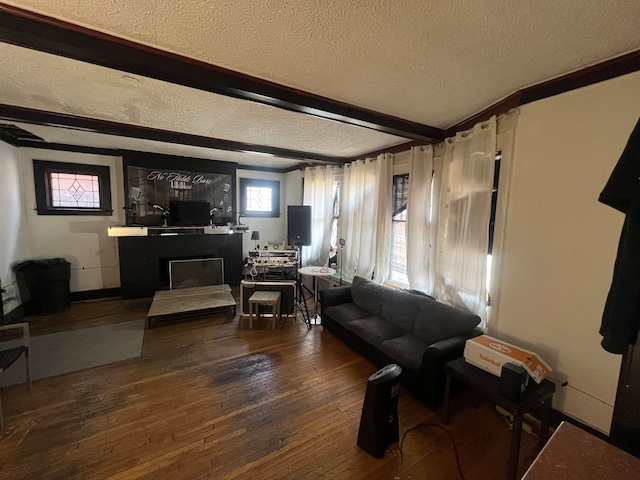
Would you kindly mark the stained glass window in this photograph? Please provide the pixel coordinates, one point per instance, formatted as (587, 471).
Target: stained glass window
(72, 188)
(258, 199)
(74, 191)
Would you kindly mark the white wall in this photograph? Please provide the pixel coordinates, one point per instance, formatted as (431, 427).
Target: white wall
(13, 243)
(271, 229)
(560, 243)
(293, 188)
(82, 240)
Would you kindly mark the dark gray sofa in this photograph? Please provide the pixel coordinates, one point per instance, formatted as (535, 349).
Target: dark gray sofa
(389, 325)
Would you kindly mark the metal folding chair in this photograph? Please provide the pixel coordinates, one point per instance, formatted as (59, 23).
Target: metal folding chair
(12, 345)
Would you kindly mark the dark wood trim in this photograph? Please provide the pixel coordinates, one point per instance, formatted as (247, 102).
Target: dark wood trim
(95, 294)
(503, 106)
(40, 117)
(62, 147)
(270, 169)
(31, 30)
(119, 153)
(9, 139)
(600, 72)
(402, 147)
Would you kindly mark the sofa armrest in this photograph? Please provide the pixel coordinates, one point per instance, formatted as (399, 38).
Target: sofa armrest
(451, 348)
(335, 296)
(436, 356)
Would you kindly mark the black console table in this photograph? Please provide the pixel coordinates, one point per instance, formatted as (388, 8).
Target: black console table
(144, 259)
(488, 385)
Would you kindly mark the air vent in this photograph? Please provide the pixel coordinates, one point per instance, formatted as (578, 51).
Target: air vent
(15, 135)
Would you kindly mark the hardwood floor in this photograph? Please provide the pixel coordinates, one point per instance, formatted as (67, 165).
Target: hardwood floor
(209, 399)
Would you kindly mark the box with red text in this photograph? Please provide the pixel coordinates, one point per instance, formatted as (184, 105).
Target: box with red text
(490, 353)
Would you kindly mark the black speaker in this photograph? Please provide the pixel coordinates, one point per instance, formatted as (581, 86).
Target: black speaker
(513, 382)
(379, 420)
(299, 225)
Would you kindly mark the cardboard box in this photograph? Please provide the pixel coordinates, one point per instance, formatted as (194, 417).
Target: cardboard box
(490, 353)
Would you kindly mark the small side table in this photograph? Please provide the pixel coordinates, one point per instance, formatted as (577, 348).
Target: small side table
(265, 298)
(316, 272)
(488, 385)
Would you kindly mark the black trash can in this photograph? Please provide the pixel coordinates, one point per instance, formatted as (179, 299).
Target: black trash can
(379, 419)
(46, 284)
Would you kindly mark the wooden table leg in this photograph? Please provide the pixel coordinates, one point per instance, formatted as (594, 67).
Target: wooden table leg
(280, 310)
(544, 424)
(251, 315)
(274, 307)
(514, 450)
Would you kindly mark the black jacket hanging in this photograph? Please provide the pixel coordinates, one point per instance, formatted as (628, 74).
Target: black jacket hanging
(621, 317)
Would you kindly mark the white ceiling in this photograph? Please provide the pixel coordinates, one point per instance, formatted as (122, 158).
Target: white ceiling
(427, 61)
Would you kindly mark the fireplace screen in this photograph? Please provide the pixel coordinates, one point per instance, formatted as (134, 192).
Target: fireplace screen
(197, 272)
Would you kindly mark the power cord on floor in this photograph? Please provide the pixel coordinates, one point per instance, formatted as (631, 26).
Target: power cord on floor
(427, 424)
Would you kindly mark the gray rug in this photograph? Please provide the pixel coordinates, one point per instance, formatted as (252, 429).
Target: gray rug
(64, 352)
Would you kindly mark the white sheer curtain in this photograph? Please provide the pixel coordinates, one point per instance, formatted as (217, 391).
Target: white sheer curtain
(318, 193)
(365, 217)
(463, 212)
(419, 231)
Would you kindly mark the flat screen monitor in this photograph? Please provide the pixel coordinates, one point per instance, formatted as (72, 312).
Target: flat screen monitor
(189, 213)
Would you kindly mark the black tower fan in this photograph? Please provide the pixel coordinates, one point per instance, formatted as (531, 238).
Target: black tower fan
(379, 420)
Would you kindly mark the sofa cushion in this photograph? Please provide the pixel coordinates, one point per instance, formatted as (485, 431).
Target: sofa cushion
(407, 349)
(345, 313)
(400, 307)
(367, 295)
(375, 330)
(437, 321)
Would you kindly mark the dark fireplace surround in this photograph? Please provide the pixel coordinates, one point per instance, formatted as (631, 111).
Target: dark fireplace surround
(144, 260)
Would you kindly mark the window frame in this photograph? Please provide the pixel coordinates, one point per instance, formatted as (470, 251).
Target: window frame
(398, 281)
(274, 185)
(41, 171)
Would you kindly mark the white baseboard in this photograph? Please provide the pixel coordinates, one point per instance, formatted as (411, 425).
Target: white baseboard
(583, 407)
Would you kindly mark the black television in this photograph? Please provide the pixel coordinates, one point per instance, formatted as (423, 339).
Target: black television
(189, 213)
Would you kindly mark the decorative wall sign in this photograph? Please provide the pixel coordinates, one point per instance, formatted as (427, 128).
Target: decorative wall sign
(152, 181)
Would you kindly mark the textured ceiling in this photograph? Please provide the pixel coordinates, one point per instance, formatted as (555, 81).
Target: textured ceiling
(112, 142)
(51, 83)
(432, 62)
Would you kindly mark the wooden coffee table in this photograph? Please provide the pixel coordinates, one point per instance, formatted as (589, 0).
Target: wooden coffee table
(193, 301)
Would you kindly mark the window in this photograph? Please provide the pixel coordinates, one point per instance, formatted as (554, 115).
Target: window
(335, 242)
(259, 198)
(398, 260)
(492, 220)
(72, 188)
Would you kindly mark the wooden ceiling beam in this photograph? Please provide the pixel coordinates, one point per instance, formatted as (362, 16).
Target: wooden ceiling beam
(10, 113)
(31, 30)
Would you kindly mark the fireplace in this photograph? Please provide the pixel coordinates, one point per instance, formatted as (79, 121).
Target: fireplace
(144, 261)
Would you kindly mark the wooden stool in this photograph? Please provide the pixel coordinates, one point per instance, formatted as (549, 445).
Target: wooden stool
(265, 298)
